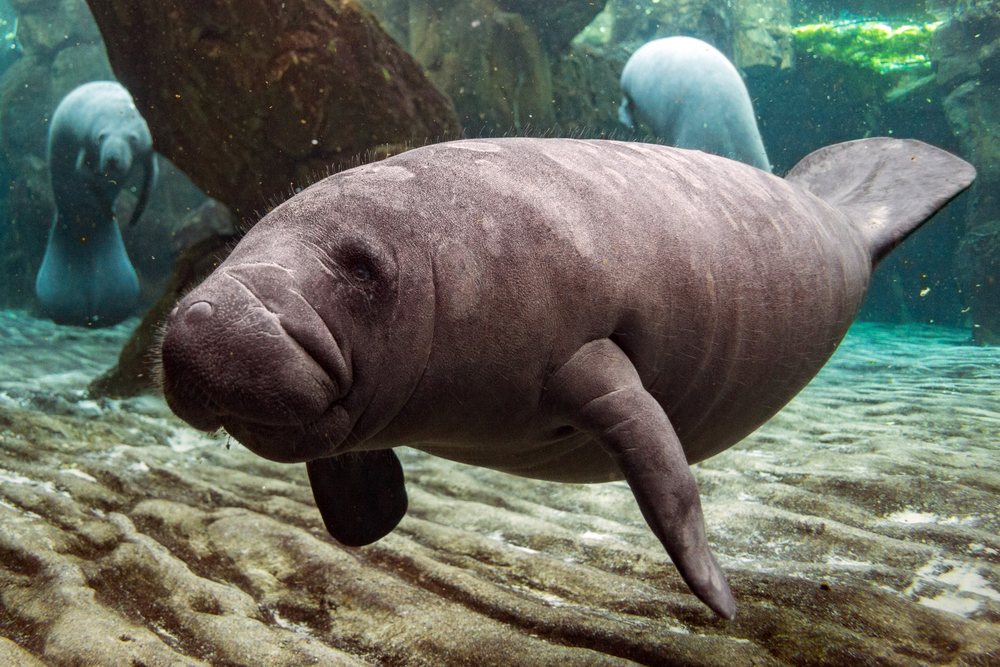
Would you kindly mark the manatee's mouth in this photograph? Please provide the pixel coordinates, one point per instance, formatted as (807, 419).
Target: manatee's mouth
(246, 352)
(322, 438)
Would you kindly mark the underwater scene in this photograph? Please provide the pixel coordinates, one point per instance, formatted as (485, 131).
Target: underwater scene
(500, 332)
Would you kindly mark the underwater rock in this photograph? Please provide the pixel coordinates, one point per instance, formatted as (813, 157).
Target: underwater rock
(556, 23)
(966, 51)
(978, 257)
(270, 94)
(643, 21)
(490, 62)
(751, 33)
(47, 26)
(586, 89)
(76, 64)
(491, 57)
(393, 16)
(762, 34)
(858, 526)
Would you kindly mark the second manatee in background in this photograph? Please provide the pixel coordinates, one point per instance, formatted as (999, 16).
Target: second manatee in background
(97, 143)
(689, 93)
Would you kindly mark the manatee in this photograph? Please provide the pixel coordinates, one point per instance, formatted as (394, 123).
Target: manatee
(689, 93)
(568, 310)
(98, 142)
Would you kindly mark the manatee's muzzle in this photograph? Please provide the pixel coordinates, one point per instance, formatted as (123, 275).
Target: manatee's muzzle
(247, 351)
(116, 157)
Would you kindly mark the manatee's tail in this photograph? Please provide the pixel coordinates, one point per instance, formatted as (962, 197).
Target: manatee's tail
(887, 187)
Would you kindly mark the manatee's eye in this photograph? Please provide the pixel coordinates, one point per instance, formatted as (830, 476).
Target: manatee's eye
(366, 270)
(361, 272)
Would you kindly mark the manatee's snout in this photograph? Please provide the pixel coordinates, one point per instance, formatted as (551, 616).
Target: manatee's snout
(116, 156)
(245, 350)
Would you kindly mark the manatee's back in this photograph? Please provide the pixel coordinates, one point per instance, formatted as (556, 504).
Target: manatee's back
(726, 286)
(75, 126)
(729, 288)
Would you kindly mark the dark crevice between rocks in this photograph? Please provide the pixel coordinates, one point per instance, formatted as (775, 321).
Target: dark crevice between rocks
(215, 567)
(150, 607)
(19, 562)
(558, 625)
(15, 627)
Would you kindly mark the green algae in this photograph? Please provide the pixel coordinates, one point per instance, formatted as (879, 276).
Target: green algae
(871, 45)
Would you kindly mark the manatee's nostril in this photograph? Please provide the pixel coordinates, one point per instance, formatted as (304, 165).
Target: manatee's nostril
(199, 311)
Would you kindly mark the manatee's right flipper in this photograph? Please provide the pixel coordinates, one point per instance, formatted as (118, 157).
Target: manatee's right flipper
(149, 177)
(599, 391)
(360, 495)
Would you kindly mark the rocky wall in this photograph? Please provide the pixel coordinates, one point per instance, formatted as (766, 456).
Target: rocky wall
(967, 52)
(494, 58)
(490, 62)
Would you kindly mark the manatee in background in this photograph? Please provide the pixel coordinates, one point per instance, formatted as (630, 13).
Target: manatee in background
(569, 310)
(692, 97)
(97, 143)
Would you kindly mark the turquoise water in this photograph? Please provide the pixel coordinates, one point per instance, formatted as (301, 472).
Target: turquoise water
(858, 526)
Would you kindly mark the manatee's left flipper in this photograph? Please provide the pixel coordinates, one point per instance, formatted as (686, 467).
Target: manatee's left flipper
(599, 391)
(149, 178)
(624, 116)
(360, 495)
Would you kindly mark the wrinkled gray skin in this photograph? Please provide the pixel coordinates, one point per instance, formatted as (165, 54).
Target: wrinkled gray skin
(97, 143)
(689, 93)
(569, 310)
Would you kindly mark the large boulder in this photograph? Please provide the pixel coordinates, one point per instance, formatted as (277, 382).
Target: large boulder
(253, 98)
(493, 58)
(749, 32)
(762, 35)
(491, 62)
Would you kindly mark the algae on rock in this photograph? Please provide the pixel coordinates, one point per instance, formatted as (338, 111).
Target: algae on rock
(874, 45)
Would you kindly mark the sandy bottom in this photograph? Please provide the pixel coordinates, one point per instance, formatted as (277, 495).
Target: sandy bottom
(858, 527)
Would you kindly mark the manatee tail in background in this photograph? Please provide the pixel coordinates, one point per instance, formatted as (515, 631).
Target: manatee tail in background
(150, 173)
(887, 187)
